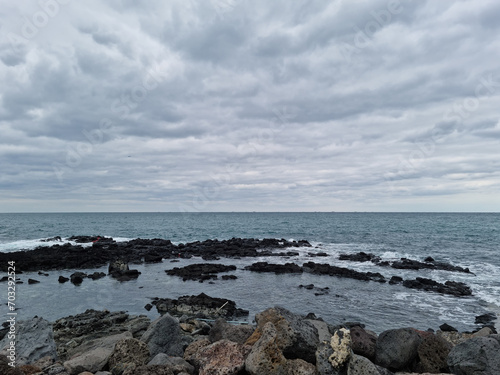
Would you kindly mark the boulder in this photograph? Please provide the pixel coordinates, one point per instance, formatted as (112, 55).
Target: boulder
(73, 331)
(119, 270)
(192, 350)
(93, 355)
(433, 352)
(323, 365)
(359, 365)
(150, 370)
(34, 340)
(177, 364)
(236, 333)
(223, 357)
(164, 336)
(297, 337)
(299, 367)
(363, 343)
(477, 356)
(266, 356)
(396, 349)
(341, 345)
(128, 352)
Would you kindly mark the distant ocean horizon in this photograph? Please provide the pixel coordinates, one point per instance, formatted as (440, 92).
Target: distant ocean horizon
(461, 238)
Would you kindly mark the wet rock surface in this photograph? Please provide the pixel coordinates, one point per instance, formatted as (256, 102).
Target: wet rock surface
(404, 263)
(104, 250)
(200, 272)
(201, 305)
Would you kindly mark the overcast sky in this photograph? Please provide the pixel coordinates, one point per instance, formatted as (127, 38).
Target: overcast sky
(239, 105)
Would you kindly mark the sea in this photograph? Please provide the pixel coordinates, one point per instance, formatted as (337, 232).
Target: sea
(463, 239)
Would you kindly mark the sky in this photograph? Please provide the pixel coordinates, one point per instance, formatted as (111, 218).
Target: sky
(238, 105)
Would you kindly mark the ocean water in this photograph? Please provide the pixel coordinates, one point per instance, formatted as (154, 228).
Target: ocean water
(464, 239)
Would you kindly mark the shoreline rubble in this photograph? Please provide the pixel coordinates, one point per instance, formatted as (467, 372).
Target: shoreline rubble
(279, 343)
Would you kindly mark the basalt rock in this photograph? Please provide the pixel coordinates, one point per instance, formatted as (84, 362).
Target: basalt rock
(201, 305)
(34, 340)
(477, 356)
(119, 270)
(164, 336)
(327, 269)
(397, 349)
(454, 288)
(72, 331)
(200, 272)
(359, 257)
(276, 268)
(105, 250)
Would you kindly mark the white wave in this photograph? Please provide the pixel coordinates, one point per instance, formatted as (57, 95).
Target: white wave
(9, 247)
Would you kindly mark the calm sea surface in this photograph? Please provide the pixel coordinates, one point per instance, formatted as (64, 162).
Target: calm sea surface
(464, 239)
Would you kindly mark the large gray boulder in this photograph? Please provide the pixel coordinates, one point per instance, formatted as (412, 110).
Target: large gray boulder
(34, 340)
(164, 336)
(236, 333)
(477, 356)
(266, 356)
(397, 349)
(297, 337)
(93, 356)
(359, 365)
(433, 353)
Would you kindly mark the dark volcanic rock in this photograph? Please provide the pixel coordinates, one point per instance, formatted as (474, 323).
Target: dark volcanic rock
(396, 280)
(119, 270)
(96, 275)
(476, 356)
(409, 264)
(104, 250)
(359, 257)
(445, 327)
(276, 268)
(200, 306)
(77, 277)
(454, 288)
(200, 271)
(485, 318)
(62, 279)
(33, 281)
(326, 269)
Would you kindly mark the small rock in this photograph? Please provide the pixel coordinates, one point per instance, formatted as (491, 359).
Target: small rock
(33, 281)
(341, 345)
(447, 328)
(62, 279)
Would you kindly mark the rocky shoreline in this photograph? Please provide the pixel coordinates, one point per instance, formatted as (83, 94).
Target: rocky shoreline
(198, 334)
(118, 255)
(279, 343)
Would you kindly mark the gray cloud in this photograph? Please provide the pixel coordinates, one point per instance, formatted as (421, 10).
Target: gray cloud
(237, 105)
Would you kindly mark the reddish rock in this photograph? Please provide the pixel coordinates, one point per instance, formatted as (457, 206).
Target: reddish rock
(363, 343)
(223, 357)
(433, 352)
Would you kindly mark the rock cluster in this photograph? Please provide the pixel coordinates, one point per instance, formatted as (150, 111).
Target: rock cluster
(200, 272)
(404, 263)
(202, 306)
(281, 343)
(105, 250)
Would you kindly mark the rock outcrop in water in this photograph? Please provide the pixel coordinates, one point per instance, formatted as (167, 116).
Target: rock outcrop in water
(281, 343)
(104, 250)
(403, 263)
(200, 272)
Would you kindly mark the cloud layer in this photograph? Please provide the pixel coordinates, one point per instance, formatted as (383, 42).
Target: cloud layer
(232, 105)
